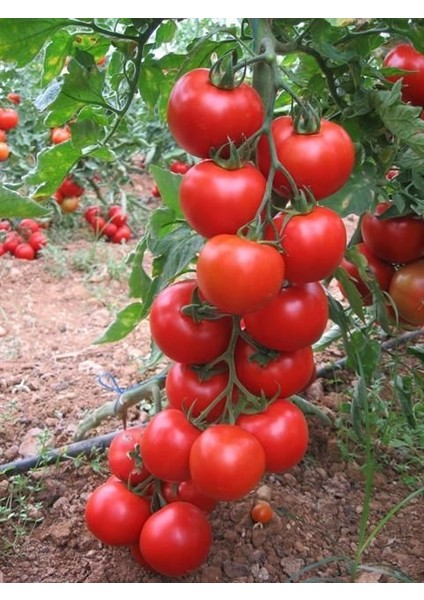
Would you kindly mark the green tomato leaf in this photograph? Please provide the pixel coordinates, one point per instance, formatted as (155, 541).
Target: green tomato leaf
(22, 39)
(126, 321)
(404, 390)
(56, 52)
(169, 186)
(353, 296)
(13, 205)
(149, 83)
(357, 195)
(139, 281)
(363, 354)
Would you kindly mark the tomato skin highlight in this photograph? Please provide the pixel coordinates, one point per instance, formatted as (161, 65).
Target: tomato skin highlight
(394, 240)
(313, 243)
(296, 318)
(287, 373)
(215, 200)
(407, 292)
(178, 335)
(228, 264)
(166, 444)
(407, 58)
(282, 431)
(321, 162)
(202, 116)
(176, 539)
(226, 462)
(115, 515)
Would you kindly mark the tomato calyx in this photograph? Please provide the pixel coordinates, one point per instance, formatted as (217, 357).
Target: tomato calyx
(199, 310)
(230, 157)
(224, 73)
(306, 119)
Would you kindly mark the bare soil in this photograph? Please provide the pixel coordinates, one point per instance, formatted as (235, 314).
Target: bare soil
(49, 319)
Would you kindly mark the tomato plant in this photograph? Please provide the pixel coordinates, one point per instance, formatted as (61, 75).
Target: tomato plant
(115, 515)
(282, 431)
(216, 200)
(406, 58)
(203, 117)
(396, 239)
(407, 292)
(328, 153)
(183, 338)
(228, 264)
(176, 539)
(313, 243)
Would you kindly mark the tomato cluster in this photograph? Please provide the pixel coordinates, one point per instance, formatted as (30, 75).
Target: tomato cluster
(68, 195)
(112, 225)
(25, 241)
(238, 330)
(9, 119)
(394, 251)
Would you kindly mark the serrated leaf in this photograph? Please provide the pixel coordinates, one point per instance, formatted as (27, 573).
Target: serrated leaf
(165, 33)
(13, 205)
(53, 164)
(350, 290)
(22, 39)
(169, 186)
(356, 196)
(125, 321)
(55, 55)
(139, 281)
(149, 83)
(81, 86)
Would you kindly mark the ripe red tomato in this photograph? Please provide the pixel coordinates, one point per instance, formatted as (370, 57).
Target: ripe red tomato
(92, 211)
(261, 512)
(115, 515)
(321, 162)
(313, 243)
(69, 205)
(28, 226)
(282, 431)
(124, 456)
(226, 462)
(11, 241)
(180, 337)
(296, 318)
(5, 225)
(394, 240)
(109, 230)
(215, 200)
(38, 241)
(405, 57)
(9, 118)
(4, 151)
(166, 444)
(155, 191)
(382, 271)
(238, 275)
(189, 390)
(187, 491)
(123, 234)
(70, 188)
(61, 134)
(3, 136)
(176, 539)
(202, 116)
(116, 215)
(97, 223)
(24, 251)
(407, 292)
(14, 97)
(284, 373)
(178, 166)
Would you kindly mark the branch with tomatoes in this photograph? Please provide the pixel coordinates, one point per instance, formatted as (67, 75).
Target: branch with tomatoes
(290, 125)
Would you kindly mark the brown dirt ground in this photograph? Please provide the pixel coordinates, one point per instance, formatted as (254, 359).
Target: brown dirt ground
(50, 314)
